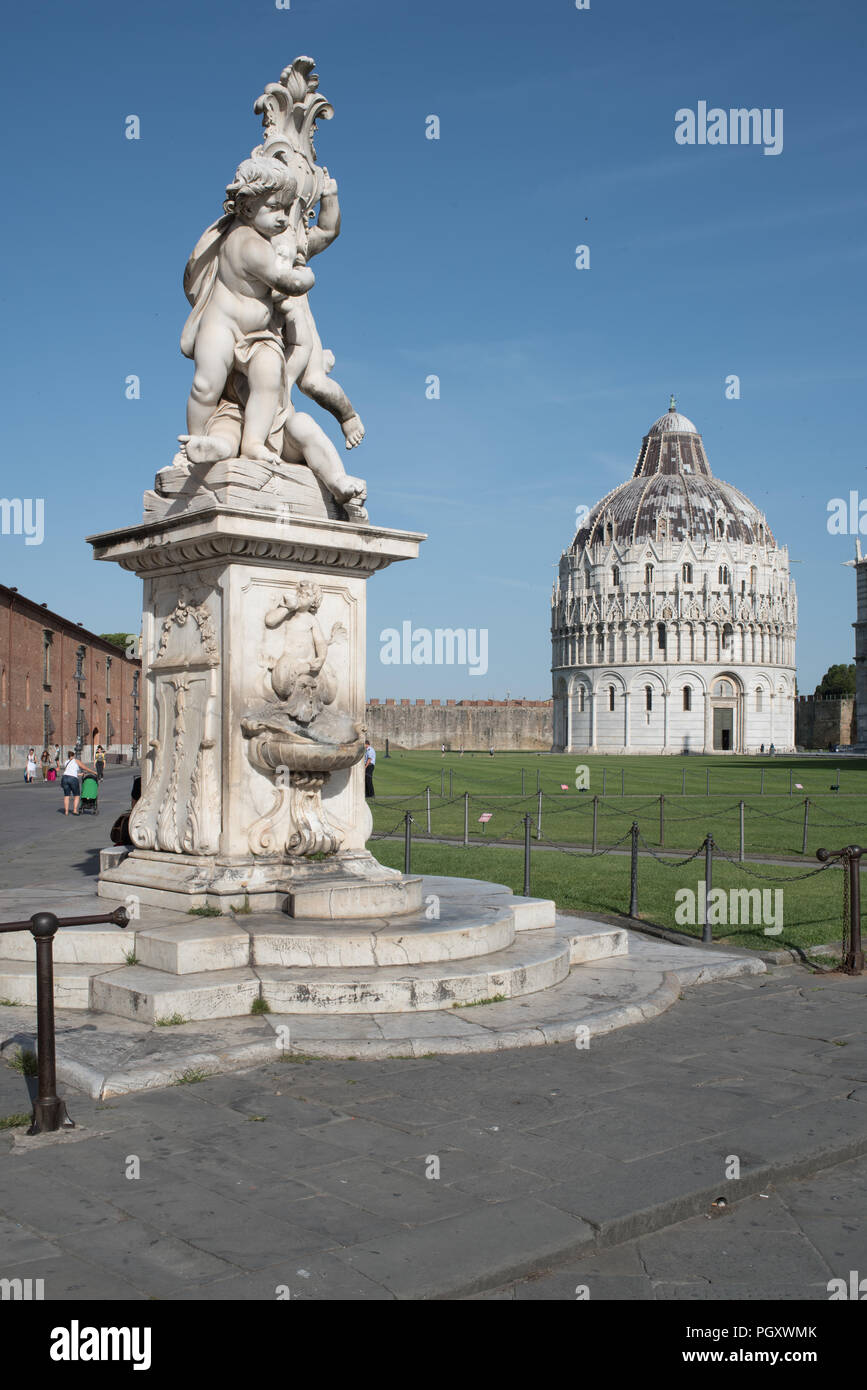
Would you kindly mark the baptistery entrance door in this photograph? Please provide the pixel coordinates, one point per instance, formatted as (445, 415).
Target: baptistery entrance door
(725, 706)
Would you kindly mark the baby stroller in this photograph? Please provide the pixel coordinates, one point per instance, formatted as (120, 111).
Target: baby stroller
(89, 797)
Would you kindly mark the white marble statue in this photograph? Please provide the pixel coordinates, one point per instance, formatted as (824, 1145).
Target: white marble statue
(251, 331)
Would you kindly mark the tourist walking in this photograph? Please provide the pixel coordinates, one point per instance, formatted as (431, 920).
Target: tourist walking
(30, 767)
(57, 758)
(369, 765)
(71, 782)
(100, 762)
(45, 760)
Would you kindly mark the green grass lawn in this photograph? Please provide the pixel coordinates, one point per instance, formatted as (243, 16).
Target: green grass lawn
(811, 908)
(773, 823)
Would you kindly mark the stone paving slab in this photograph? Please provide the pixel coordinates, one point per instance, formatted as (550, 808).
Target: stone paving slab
(448, 1176)
(784, 1244)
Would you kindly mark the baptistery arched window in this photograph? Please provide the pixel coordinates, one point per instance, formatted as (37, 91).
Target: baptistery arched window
(611, 697)
(648, 697)
(723, 574)
(754, 577)
(660, 636)
(648, 574)
(687, 697)
(581, 699)
(687, 574)
(758, 699)
(726, 636)
(615, 576)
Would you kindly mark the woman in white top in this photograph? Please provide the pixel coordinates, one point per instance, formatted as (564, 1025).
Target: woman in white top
(71, 782)
(30, 770)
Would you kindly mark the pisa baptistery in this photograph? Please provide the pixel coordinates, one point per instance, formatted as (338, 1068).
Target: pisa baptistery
(673, 617)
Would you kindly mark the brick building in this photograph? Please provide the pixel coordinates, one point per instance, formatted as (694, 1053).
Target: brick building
(59, 683)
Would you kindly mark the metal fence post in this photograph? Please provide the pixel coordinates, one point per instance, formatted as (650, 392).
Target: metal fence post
(622, 793)
(683, 780)
(526, 856)
(706, 929)
(707, 781)
(661, 820)
(49, 1111)
(762, 784)
(522, 781)
(806, 821)
(427, 807)
(466, 820)
(633, 872)
(741, 832)
(604, 770)
(451, 782)
(595, 823)
(790, 781)
(854, 962)
(442, 782)
(539, 819)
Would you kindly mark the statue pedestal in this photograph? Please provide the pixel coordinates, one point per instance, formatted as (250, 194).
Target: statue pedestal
(247, 801)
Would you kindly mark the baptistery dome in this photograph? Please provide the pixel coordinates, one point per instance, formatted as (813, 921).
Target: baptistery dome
(673, 615)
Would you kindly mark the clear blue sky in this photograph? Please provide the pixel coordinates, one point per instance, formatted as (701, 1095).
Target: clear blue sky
(456, 258)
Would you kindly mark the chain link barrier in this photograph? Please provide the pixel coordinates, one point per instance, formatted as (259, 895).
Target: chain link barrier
(769, 878)
(671, 863)
(587, 854)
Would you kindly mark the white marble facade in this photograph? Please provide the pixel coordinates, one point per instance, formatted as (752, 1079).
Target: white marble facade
(673, 615)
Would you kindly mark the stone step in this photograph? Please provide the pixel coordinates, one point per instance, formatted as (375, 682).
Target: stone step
(278, 940)
(102, 943)
(139, 992)
(203, 945)
(524, 967)
(591, 940)
(532, 914)
(72, 983)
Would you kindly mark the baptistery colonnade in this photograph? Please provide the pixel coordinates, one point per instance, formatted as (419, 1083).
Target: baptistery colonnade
(674, 617)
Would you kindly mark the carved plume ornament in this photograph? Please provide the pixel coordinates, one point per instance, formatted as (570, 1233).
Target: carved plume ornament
(290, 110)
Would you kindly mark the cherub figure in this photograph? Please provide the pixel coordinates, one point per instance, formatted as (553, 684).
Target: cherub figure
(230, 280)
(307, 362)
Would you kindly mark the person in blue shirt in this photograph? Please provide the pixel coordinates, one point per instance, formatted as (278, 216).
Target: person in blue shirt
(369, 765)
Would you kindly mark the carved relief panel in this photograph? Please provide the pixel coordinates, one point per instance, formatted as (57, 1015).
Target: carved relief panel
(180, 807)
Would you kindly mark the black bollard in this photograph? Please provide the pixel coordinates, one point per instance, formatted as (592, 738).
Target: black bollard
(49, 1111)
